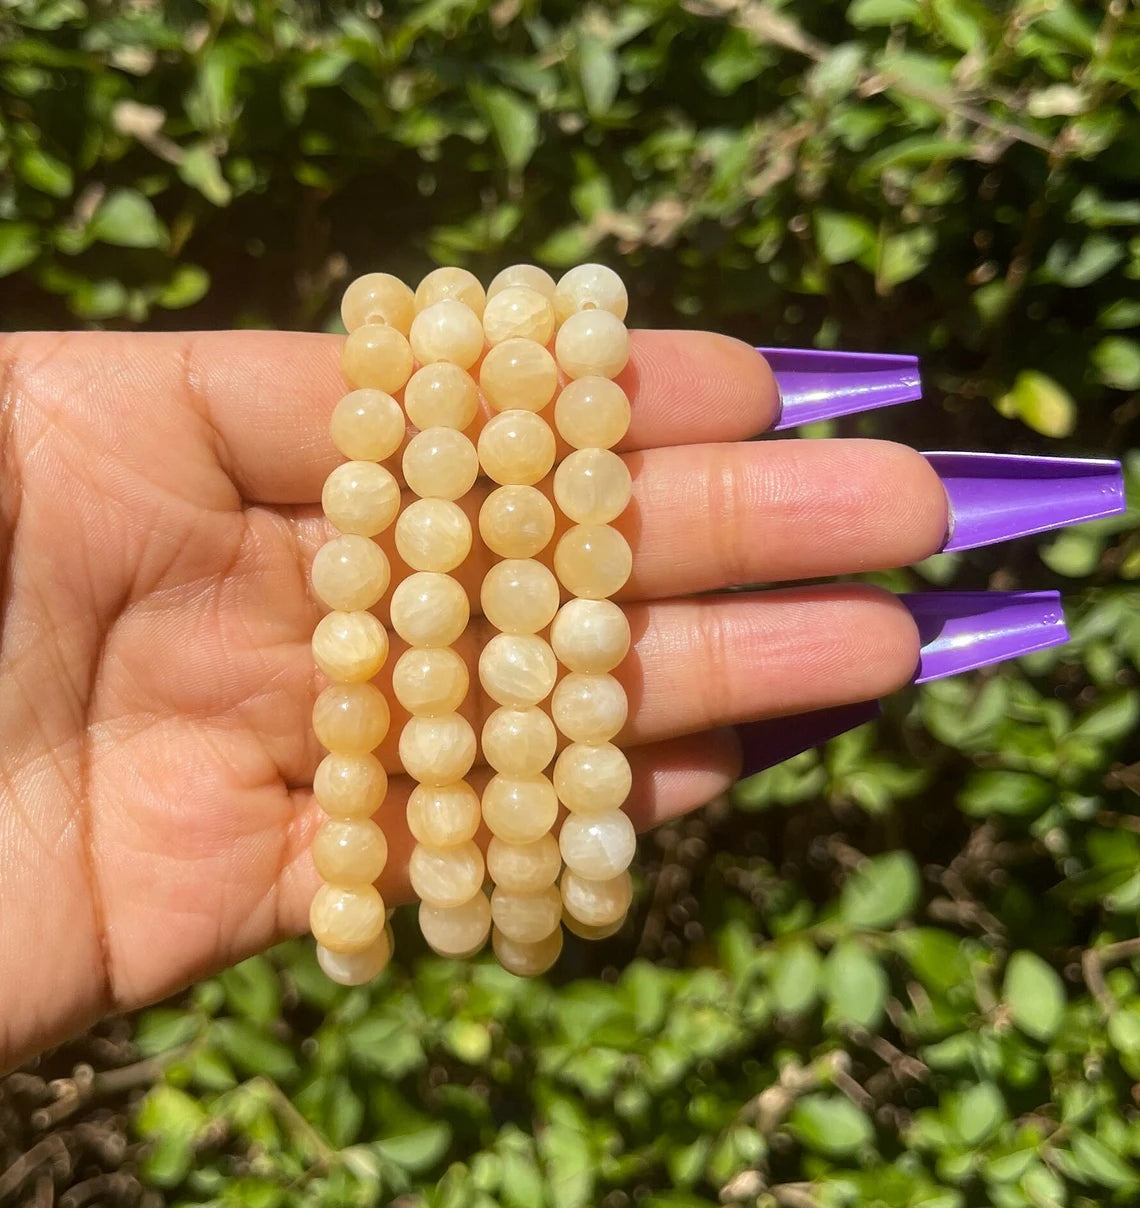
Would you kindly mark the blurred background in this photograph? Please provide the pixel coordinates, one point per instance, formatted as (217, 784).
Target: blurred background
(902, 972)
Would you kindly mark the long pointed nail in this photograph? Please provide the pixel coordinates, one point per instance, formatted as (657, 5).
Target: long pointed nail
(767, 743)
(998, 496)
(963, 630)
(815, 384)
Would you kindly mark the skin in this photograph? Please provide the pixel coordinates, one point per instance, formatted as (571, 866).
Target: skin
(159, 507)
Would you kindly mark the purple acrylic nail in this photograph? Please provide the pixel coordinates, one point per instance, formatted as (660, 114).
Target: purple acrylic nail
(767, 743)
(998, 496)
(815, 384)
(963, 630)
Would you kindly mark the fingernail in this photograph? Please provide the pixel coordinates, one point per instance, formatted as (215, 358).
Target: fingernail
(816, 385)
(998, 496)
(767, 743)
(963, 630)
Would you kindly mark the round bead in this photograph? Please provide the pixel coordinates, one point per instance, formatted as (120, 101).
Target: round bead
(378, 298)
(437, 750)
(445, 814)
(350, 573)
(593, 561)
(592, 343)
(351, 719)
(516, 448)
(590, 636)
(441, 396)
(447, 331)
(440, 463)
(361, 497)
(589, 708)
(597, 903)
(457, 931)
(347, 919)
(598, 846)
(586, 932)
(519, 742)
(590, 287)
(367, 425)
(518, 670)
(356, 968)
(527, 960)
(451, 282)
(516, 522)
(433, 534)
(350, 646)
(518, 374)
(446, 876)
(519, 595)
(524, 867)
(592, 778)
(350, 786)
(592, 413)
(429, 682)
(519, 809)
(350, 851)
(529, 275)
(527, 918)
(592, 486)
(377, 357)
(429, 609)
(518, 312)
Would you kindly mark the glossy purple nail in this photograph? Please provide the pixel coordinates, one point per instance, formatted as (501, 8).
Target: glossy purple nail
(998, 496)
(815, 384)
(767, 743)
(963, 630)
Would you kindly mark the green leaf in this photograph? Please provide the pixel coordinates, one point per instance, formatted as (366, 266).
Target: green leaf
(253, 1050)
(864, 14)
(880, 892)
(1111, 720)
(831, 1125)
(1015, 794)
(977, 1113)
(1034, 995)
(842, 237)
(187, 285)
(468, 1040)
(1041, 403)
(1099, 1164)
(1117, 362)
(513, 121)
(44, 172)
(127, 219)
(600, 75)
(162, 1028)
(1124, 1030)
(903, 256)
(252, 990)
(201, 170)
(19, 246)
(795, 977)
(854, 984)
(1078, 267)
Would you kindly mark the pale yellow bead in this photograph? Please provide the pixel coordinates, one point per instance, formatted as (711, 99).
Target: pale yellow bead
(518, 374)
(367, 425)
(361, 497)
(445, 814)
(592, 777)
(597, 903)
(527, 918)
(529, 275)
(440, 463)
(586, 932)
(519, 595)
(350, 646)
(527, 960)
(446, 876)
(437, 750)
(441, 396)
(589, 708)
(516, 448)
(592, 413)
(592, 343)
(592, 486)
(351, 719)
(457, 931)
(450, 282)
(347, 918)
(518, 312)
(429, 682)
(447, 331)
(433, 534)
(524, 867)
(350, 851)
(518, 670)
(590, 636)
(519, 742)
(590, 287)
(350, 786)
(593, 561)
(519, 809)
(516, 522)
(377, 357)
(378, 298)
(429, 609)
(356, 968)
(598, 846)
(350, 573)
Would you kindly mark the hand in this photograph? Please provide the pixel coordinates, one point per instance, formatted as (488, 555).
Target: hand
(158, 513)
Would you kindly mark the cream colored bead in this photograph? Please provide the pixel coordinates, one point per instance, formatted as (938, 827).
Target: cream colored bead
(592, 778)
(524, 867)
(586, 932)
(590, 287)
(441, 396)
(592, 486)
(597, 903)
(437, 750)
(451, 282)
(529, 275)
(351, 719)
(367, 425)
(350, 851)
(447, 331)
(350, 786)
(518, 312)
(377, 357)
(589, 708)
(350, 646)
(593, 561)
(592, 413)
(527, 960)
(440, 463)
(347, 918)
(446, 876)
(429, 609)
(445, 814)
(350, 573)
(598, 846)
(433, 534)
(519, 742)
(592, 343)
(378, 298)
(527, 918)
(457, 931)
(518, 670)
(361, 497)
(519, 809)
(356, 968)
(429, 682)
(518, 375)
(590, 636)
(516, 522)
(519, 595)
(516, 448)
